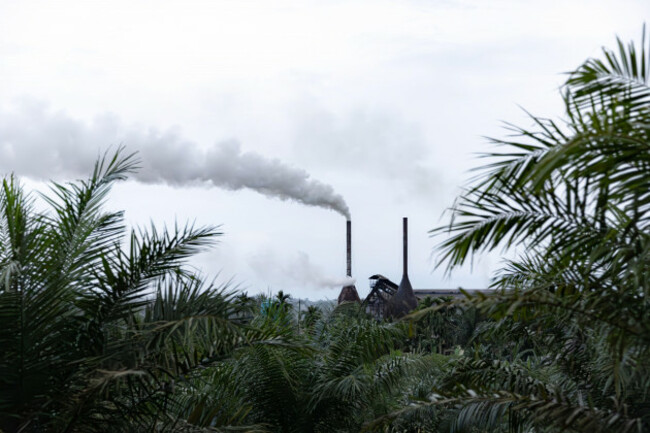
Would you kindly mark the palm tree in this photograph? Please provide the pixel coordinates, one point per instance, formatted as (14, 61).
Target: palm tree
(574, 195)
(85, 347)
(347, 371)
(439, 325)
(312, 315)
(283, 298)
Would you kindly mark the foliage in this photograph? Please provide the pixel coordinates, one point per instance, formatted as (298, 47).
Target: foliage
(312, 315)
(85, 346)
(438, 325)
(345, 371)
(103, 331)
(575, 196)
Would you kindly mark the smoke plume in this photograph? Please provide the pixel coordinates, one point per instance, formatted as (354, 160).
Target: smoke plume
(38, 143)
(299, 269)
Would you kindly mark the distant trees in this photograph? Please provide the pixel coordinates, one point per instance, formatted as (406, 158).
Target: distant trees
(439, 325)
(312, 315)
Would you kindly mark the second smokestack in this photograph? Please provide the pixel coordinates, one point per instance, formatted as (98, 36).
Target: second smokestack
(349, 247)
(404, 300)
(405, 231)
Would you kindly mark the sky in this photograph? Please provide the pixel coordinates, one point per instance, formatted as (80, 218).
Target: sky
(271, 118)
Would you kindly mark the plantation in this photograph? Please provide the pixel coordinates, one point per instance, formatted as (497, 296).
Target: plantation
(107, 331)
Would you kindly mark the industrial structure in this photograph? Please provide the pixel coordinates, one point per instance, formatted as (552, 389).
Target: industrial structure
(349, 293)
(404, 300)
(382, 291)
(387, 299)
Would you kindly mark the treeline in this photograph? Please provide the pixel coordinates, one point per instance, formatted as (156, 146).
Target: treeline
(107, 331)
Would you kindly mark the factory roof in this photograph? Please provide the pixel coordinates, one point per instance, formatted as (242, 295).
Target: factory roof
(456, 293)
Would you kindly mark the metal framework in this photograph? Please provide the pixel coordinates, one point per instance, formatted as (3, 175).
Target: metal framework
(381, 291)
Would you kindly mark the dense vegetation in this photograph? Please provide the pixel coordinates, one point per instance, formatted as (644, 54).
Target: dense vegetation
(104, 332)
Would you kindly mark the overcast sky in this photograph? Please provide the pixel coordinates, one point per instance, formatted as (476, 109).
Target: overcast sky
(375, 104)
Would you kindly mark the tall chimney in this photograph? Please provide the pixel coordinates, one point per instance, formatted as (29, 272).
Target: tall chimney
(404, 300)
(349, 248)
(405, 223)
(349, 293)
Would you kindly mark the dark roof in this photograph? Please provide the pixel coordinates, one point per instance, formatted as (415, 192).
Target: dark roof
(381, 280)
(381, 286)
(349, 294)
(456, 293)
(404, 300)
(423, 293)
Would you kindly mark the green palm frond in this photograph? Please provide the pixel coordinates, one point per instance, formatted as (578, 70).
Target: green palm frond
(80, 353)
(573, 196)
(621, 75)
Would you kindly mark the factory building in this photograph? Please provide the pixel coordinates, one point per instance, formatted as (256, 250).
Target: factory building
(387, 299)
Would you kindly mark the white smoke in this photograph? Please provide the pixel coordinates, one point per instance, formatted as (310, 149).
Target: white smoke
(38, 143)
(298, 269)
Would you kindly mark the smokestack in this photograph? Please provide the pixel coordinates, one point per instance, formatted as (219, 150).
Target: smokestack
(404, 300)
(349, 248)
(349, 293)
(405, 224)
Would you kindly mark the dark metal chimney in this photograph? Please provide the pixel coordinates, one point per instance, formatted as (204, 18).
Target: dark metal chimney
(404, 300)
(349, 293)
(349, 248)
(405, 223)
